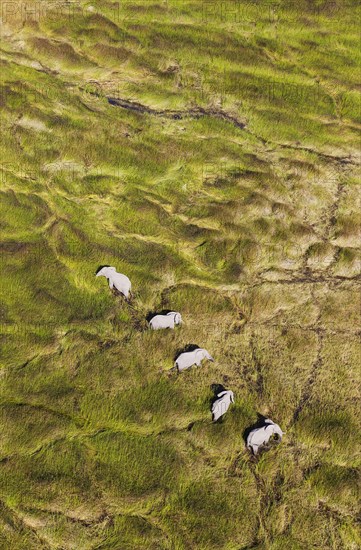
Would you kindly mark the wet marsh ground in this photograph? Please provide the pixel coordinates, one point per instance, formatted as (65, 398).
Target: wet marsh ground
(210, 151)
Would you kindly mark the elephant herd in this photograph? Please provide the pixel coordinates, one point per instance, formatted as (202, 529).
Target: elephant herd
(263, 432)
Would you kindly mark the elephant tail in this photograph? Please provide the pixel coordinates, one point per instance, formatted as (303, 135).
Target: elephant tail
(175, 367)
(168, 372)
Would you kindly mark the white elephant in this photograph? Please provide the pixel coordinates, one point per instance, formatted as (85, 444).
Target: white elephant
(169, 320)
(189, 358)
(221, 405)
(261, 436)
(116, 280)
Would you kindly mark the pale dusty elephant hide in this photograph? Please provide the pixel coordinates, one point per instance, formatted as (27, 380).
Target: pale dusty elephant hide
(189, 358)
(260, 436)
(221, 405)
(169, 320)
(116, 280)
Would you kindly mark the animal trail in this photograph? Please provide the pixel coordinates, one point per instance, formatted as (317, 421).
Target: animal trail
(194, 113)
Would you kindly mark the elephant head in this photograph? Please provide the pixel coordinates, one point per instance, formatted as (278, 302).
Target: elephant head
(105, 271)
(203, 354)
(177, 319)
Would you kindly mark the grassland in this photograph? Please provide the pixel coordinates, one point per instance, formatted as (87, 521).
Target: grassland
(210, 151)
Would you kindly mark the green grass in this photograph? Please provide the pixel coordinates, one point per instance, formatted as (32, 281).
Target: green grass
(252, 234)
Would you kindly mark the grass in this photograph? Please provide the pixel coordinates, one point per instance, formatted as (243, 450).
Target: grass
(253, 234)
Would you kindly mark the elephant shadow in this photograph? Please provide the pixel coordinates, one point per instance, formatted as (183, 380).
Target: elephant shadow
(152, 314)
(185, 349)
(216, 389)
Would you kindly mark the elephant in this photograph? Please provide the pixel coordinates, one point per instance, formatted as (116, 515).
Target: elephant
(259, 437)
(169, 320)
(221, 405)
(189, 358)
(116, 280)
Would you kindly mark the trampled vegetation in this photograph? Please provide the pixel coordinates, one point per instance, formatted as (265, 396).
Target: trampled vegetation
(210, 151)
